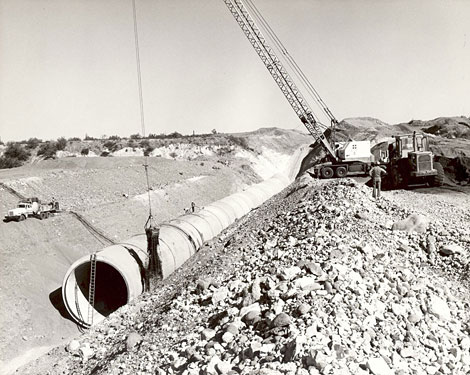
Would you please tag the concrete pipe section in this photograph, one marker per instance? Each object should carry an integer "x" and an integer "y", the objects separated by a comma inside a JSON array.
[{"x": 120, "y": 269}]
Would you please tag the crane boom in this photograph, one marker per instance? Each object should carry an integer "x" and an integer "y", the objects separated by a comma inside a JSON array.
[{"x": 278, "y": 72}]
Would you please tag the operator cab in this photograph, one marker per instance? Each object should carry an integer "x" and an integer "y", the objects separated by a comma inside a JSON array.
[
  {"x": 415, "y": 148},
  {"x": 408, "y": 143}
]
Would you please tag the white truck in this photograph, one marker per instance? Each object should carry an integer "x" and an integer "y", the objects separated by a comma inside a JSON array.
[{"x": 32, "y": 207}]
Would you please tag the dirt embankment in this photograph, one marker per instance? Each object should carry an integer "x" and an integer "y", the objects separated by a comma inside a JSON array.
[
  {"x": 314, "y": 281},
  {"x": 110, "y": 193},
  {"x": 449, "y": 140}
]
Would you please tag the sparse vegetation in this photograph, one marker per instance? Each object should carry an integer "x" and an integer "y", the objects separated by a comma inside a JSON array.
[
  {"x": 32, "y": 143},
  {"x": 61, "y": 144},
  {"x": 48, "y": 150},
  {"x": 74, "y": 139},
  {"x": 224, "y": 150},
  {"x": 14, "y": 156},
  {"x": 174, "y": 135},
  {"x": 148, "y": 150},
  {"x": 85, "y": 151},
  {"x": 241, "y": 142},
  {"x": 135, "y": 136},
  {"x": 111, "y": 146},
  {"x": 156, "y": 136}
]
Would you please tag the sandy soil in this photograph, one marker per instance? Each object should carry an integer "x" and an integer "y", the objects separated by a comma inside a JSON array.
[
  {"x": 111, "y": 194},
  {"x": 223, "y": 257}
]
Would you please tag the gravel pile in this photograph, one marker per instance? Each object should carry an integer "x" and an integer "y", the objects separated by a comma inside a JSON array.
[{"x": 314, "y": 282}]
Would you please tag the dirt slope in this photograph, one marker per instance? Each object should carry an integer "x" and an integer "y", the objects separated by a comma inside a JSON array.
[
  {"x": 34, "y": 257},
  {"x": 448, "y": 138},
  {"x": 110, "y": 193},
  {"x": 313, "y": 282}
]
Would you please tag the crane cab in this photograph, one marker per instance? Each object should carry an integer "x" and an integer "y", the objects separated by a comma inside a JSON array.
[{"x": 353, "y": 151}]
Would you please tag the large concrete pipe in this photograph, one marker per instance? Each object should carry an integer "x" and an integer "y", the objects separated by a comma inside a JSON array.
[{"x": 120, "y": 269}]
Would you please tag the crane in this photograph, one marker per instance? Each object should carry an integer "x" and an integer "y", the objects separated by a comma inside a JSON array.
[
  {"x": 350, "y": 158},
  {"x": 282, "y": 78}
]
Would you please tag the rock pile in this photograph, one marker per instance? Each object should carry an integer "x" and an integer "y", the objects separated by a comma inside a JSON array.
[{"x": 321, "y": 286}]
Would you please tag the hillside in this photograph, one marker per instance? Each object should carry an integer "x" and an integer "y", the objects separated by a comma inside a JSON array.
[
  {"x": 308, "y": 222},
  {"x": 449, "y": 139},
  {"x": 315, "y": 281},
  {"x": 110, "y": 193}
]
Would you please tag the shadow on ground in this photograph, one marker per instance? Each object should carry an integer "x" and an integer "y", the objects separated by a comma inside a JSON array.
[{"x": 56, "y": 300}]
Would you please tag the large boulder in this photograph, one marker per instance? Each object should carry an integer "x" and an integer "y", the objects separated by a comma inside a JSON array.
[{"x": 413, "y": 223}]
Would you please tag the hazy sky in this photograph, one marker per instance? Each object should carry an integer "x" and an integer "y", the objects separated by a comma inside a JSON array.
[{"x": 67, "y": 67}]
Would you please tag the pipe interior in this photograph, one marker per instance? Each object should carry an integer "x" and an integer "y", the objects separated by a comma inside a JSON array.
[{"x": 110, "y": 287}]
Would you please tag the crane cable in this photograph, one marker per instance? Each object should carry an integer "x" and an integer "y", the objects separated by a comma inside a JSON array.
[
  {"x": 139, "y": 75},
  {"x": 291, "y": 61},
  {"x": 149, "y": 221}
]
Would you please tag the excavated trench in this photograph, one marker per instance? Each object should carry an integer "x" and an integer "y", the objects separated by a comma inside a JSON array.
[{"x": 120, "y": 268}]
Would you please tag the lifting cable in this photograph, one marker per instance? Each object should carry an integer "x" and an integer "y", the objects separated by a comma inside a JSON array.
[
  {"x": 151, "y": 230},
  {"x": 149, "y": 222},
  {"x": 139, "y": 75}
]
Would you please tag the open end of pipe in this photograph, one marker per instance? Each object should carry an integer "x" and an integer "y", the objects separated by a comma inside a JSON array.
[{"x": 110, "y": 287}]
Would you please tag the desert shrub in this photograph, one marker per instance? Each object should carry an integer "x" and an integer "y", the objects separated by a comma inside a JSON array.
[
  {"x": 14, "y": 156},
  {"x": 16, "y": 151},
  {"x": 61, "y": 143},
  {"x": 74, "y": 139},
  {"x": 148, "y": 150},
  {"x": 173, "y": 155},
  {"x": 135, "y": 136},
  {"x": 111, "y": 146},
  {"x": 224, "y": 150},
  {"x": 32, "y": 143},
  {"x": 104, "y": 153},
  {"x": 9, "y": 163},
  {"x": 114, "y": 138},
  {"x": 85, "y": 151},
  {"x": 48, "y": 150},
  {"x": 144, "y": 143},
  {"x": 174, "y": 135},
  {"x": 89, "y": 138},
  {"x": 157, "y": 136},
  {"x": 239, "y": 141}
]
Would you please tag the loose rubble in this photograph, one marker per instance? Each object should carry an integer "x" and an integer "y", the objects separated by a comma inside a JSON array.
[{"x": 321, "y": 285}]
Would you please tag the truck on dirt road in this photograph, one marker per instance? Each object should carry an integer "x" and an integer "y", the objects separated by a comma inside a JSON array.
[{"x": 32, "y": 207}]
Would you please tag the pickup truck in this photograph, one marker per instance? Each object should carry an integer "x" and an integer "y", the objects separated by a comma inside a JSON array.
[{"x": 32, "y": 207}]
